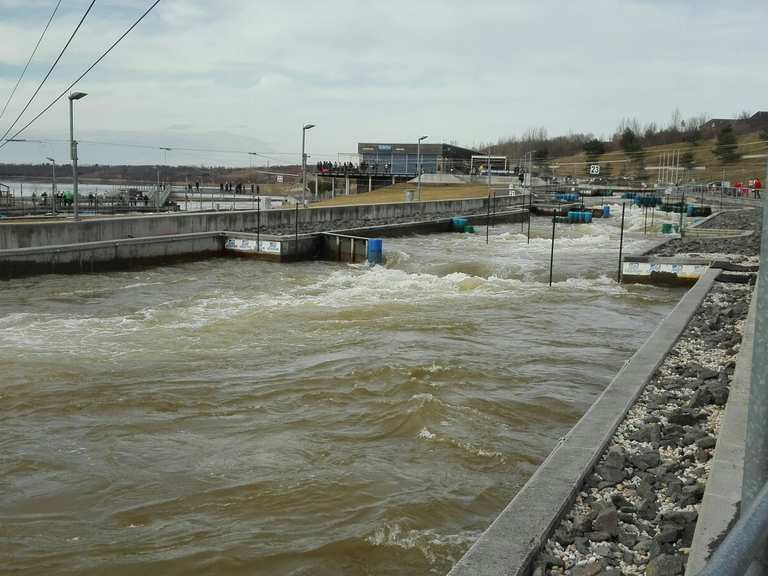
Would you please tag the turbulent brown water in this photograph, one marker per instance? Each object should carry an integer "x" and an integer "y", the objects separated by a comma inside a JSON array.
[{"x": 241, "y": 417}]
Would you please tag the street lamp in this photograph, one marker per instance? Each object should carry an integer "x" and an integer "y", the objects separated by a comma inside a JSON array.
[
  {"x": 418, "y": 163},
  {"x": 73, "y": 147},
  {"x": 489, "y": 169},
  {"x": 165, "y": 151},
  {"x": 53, "y": 185},
  {"x": 304, "y": 161}
]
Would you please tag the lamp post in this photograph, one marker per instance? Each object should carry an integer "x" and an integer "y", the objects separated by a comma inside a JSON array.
[
  {"x": 165, "y": 151},
  {"x": 489, "y": 168},
  {"x": 304, "y": 161},
  {"x": 418, "y": 163},
  {"x": 53, "y": 185},
  {"x": 73, "y": 148}
]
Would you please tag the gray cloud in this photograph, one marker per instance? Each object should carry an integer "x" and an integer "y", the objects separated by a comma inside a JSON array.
[{"x": 471, "y": 72}]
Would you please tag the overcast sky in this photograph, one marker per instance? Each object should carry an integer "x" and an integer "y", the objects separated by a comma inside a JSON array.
[{"x": 244, "y": 75}]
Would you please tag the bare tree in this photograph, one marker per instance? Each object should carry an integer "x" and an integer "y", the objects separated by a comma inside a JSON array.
[{"x": 676, "y": 120}]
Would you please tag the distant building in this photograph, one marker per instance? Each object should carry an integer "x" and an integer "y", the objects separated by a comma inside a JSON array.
[
  {"x": 758, "y": 121},
  {"x": 402, "y": 158}
]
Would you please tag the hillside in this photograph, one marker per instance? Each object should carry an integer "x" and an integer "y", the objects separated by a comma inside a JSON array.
[{"x": 617, "y": 164}]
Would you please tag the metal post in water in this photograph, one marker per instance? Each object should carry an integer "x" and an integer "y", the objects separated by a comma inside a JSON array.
[
  {"x": 621, "y": 239},
  {"x": 552, "y": 250},
  {"x": 296, "y": 230},
  {"x": 522, "y": 211},
  {"x": 488, "y": 218},
  {"x": 682, "y": 207},
  {"x": 258, "y": 225},
  {"x": 530, "y": 206},
  {"x": 645, "y": 221}
]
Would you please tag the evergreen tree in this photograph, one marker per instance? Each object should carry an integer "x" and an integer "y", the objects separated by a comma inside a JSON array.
[
  {"x": 687, "y": 159},
  {"x": 633, "y": 148},
  {"x": 726, "y": 146},
  {"x": 594, "y": 149},
  {"x": 693, "y": 136},
  {"x": 630, "y": 143}
]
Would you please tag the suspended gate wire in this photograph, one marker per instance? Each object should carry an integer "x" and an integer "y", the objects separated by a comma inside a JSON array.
[
  {"x": 91, "y": 67},
  {"x": 29, "y": 102},
  {"x": 30, "y": 59}
]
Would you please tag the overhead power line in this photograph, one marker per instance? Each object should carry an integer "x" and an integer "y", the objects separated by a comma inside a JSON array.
[
  {"x": 34, "y": 51},
  {"x": 87, "y": 70},
  {"x": 31, "y": 98}
]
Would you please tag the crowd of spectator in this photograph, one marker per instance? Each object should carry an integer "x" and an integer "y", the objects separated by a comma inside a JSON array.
[{"x": 352, "y": 169}]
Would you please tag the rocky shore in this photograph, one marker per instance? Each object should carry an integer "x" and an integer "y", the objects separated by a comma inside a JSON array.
[{"x": 637, "y": 512}]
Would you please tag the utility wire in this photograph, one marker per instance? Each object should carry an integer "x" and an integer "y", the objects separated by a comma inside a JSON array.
[
  {"x": 7, "y": 102},
  {"x": 71, "y": 37},
  {"x": 87, "y": 70}
]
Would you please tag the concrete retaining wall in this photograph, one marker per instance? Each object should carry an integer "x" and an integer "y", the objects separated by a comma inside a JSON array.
[
  {"x": 109, "y": 255},
  {"x": 24, "y": 235},
  {"x": 722, "y": 496},
  {"x": 510, "y": 544}
]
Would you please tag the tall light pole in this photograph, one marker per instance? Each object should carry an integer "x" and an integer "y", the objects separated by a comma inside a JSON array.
[
  {"x": 165, "y": 151},
  {"x": 304, "y": 161},
  {"x": 53, "y": 185},
  {"x": 73, "y": 147},
  {"x": 489, "y": 169},
  {"x": 418, "y": 163}
]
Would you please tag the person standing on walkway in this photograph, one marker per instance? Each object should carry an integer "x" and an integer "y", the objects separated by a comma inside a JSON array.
[{"x": 758, "y": 185}]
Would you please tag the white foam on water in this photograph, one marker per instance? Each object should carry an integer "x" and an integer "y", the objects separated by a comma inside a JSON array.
[
  {"x": 348, "y": 287},
  {"x": 635, "y": 220},
  {"x": 425, "y": 434},
  {"x": 379, "y": 284},
  {"x": 425, "y": 541},
  {"x": 429, "y": 542}
]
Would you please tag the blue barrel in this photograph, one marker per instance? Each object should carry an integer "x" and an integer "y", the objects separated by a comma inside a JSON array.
[
  {"x": 690, "y": 210},
  {"x": 606, "y": 211},
  {"x": 579, "y": 217},
  {"x": 459, "y": 224},
  {"x": 375, "y": 250}
]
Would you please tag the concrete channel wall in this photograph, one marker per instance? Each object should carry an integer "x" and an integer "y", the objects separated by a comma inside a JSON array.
[
  {"x": 721, "y": 504},
  {"x": 109, "y": 254},
  {"x": 33, "y": 234},
  {"x": 123, "y": 253},
  {"x": 510, "y": 544}
]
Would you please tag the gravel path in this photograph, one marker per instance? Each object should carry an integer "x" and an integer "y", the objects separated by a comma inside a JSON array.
[
  {"x": 749, "y": 219},
  {"x": 637, "y": 513}
]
